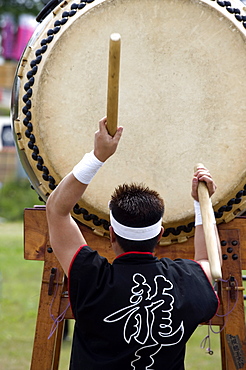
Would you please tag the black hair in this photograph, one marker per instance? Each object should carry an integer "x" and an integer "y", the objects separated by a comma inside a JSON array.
[{"x": 135, "y": 205}]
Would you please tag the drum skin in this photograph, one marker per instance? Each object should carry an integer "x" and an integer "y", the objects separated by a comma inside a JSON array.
[{"x": 182, "y": 92}]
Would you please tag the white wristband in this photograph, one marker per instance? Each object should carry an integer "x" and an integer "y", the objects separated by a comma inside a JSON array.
[
  {"x": 86, "y": 169},
  {"x": 198, "y": 215}
]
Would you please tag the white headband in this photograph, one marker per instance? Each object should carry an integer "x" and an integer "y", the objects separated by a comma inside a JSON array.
[{"x": 135, "y": 233}]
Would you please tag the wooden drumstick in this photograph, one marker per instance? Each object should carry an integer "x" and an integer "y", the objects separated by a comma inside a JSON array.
[
  {"x": 113, "y": 83},
  {"x": 208, "y": 227}
]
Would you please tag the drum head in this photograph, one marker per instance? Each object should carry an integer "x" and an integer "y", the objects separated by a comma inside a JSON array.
[{"x": 182, "y": 91}]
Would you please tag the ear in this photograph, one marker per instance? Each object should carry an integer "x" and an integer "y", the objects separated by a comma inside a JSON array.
[{"x": 112, "y": 235}]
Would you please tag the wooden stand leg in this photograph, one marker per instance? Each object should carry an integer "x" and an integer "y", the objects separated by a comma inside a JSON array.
[
  {"x": 49, "y": 310},
  {"x": 46, "y": 352},
  {"x": 233, "y": 341},
  {"x": 59, "y": 337}
]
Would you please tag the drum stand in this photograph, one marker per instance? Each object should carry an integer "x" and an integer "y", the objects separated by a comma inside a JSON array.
[{"x": 54, "y": 298}]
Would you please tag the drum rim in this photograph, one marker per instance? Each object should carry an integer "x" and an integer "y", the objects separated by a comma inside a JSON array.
[{"x": 175, "y": 231}]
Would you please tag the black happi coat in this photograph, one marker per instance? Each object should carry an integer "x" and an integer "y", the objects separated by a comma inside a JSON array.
[{"x": 137, "y": 313}]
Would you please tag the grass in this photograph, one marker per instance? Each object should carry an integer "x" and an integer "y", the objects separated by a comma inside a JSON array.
[
  {"x": 16, "y": 188},
  {"x": 196, "y": 357},
  {"x": 19, "y": 297}
]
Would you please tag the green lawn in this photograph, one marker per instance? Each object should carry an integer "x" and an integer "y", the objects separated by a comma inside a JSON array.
[{"x": 19, "y": 297}]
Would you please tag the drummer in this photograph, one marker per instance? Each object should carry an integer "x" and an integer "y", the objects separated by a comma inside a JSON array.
[{"x": 138, "y": 312}]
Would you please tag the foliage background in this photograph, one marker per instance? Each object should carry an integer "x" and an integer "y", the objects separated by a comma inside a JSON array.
[
  {"x": 16, "y": 7},
  {"x": 15, "y": 196}
]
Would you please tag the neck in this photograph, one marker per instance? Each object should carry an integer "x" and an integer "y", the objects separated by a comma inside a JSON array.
[{"x": 117, "y": 249}]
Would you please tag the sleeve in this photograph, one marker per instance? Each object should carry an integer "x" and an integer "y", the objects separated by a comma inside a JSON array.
[
  {"x": 87, "y": 275},
  {"x": 203, "y": 300}
]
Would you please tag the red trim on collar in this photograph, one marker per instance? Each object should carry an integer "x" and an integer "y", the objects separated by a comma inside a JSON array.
[{"x": 133, "y": 252}]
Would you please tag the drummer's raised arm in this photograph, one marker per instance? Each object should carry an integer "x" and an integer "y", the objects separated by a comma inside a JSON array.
[
  {"x": 65, "y": 236},
  {"x": 201, "y": 255}
]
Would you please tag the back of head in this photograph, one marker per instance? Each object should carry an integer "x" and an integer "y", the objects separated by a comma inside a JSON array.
[{"x": 136, "y": 206}]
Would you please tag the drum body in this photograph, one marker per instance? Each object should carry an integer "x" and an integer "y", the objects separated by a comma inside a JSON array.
[{"x": 182, "y": 92}]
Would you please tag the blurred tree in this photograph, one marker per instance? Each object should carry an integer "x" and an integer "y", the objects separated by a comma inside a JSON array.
[{"x": 17, "y": 7}]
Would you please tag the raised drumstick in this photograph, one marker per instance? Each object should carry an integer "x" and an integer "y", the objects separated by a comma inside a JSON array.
[
  {"x": 208, "y": 227},
  {"x": 113, "y": 83}
]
